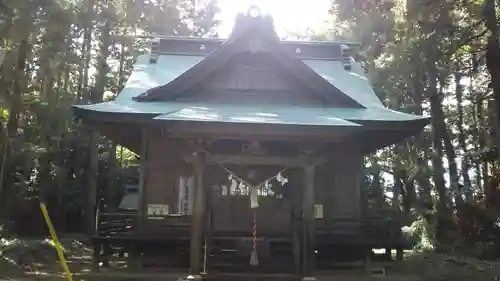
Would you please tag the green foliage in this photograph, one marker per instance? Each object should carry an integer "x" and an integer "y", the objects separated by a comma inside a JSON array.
[
  {"x": 52, "y": 50},
  {"x": 423, "y": 232},
  {"x": 125, "y": 157},
  {"x": 49, "y": 150},
  {"x": 402, "y": 42}
]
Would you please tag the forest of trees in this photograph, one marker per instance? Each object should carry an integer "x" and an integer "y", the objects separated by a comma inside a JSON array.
[
  {"x": 441, "y": 59},
  {"x": 429, "y": 57}
]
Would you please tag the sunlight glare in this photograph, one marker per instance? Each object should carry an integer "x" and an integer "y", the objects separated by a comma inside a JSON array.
[{"x": 290, "y": 16}]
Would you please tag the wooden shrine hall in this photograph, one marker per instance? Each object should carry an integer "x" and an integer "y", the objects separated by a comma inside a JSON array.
[{"x": 251, "y": 151}]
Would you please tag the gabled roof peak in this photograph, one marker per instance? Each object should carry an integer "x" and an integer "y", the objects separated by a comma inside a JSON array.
[
  {"x": 253, "y": 35},
  {"x": 253, "y": 17}
]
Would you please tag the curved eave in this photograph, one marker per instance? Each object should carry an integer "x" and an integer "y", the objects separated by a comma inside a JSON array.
[
  {"x": 356, "y": 115},
  {"x": 379, "y": 134},
  {"x": 112, "y": 112},
  {"x": 374, "y": 128},
  {"x": 258, "y": 121}
]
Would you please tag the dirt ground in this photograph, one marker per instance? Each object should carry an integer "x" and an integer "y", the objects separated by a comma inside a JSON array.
[
  {"x": 441, "y": 267},
  {"x": 36, "y": 259}
]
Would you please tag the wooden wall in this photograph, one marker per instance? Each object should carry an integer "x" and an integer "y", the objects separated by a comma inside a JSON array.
[
  {"x": 338, "y": 186},
  {"x": 252, "y": 78},
  {"x": 161, "y": 178},
  {"x": 233, "y": 213}
]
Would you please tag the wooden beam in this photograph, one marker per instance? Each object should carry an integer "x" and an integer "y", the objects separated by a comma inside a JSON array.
[
  {"x": 208, "y": 231},
  {"x": 294, "y": 176},
  {"x": 309, "y": 223},
  {"x": 258, "y": 160},
  {"x": 261, "y": 137},
  {"x": 198, "y": 223},
  {"x": 253, "y": 131}
]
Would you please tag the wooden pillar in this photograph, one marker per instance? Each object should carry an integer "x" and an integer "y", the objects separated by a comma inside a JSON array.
[
  {"x": 111, "y": 187},
  {"x": 399, "y": 254},
  {"x": 309, "y": 224},
  {"x": 208, "y": 226},
  {"x": 198, "y": 217},
  {"x": 141, "y": 206},
  {"x": 294, "y": 186},
  {"x": 92, "y": 184},
  {"x": 368, "y": 261},
  {"x": 134, "y": 252}
]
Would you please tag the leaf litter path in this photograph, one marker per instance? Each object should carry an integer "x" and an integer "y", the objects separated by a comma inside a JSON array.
[{"x": 36, "y": 259}]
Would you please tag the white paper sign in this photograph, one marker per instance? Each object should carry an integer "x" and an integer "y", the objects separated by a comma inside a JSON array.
[
  {"x": 318, "y": 211},
  {"x": 158, "y": 210},
  {"x": 254, "y": 198}
]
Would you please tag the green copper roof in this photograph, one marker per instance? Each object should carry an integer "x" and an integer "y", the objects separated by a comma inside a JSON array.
[
  {"x": 353, "y": 83},
  {"x": 267, "y": 114},
  {"x": 166, "y": 108},
  {"x": 146, "y": 76}
]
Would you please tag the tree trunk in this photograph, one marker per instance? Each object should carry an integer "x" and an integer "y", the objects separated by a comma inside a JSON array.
[
  {"x": 111, "y": 195},
  {"x": 15, "y": 108},
  {"x": 482, "y": 140},
  {"x": 2, "y": 52},
  {"x": 493, "y": 60},
  {"x": 467, "y": 188},
  {"x": 417, "y": 87},
  {"x": 410, "y": 198},
  {"x": 96, "y": 96},
  {"x": 397, "y": 189},
  {"x": 450, "y": 155},
  {"x": 19, "y": 85},
  {"x": 437, "y": 148},
  {"x": 377, "y": 188},
  {"x": 112, "y": 163},
  {"x": 86, "y": 53}
]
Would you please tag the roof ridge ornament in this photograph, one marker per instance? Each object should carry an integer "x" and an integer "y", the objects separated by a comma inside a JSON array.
[
  {"x": 153, "y": 56},
  {"x": 346, "y": 57},
  {"x": 253, "y": 18},
  {"x": 254, "y": 11}
]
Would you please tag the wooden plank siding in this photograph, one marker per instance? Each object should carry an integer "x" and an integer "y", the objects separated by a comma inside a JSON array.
[
  {"x": 338, "y": 189},
  {"x": 163, "y": 169},
  {"x": 254, "y": 78}
]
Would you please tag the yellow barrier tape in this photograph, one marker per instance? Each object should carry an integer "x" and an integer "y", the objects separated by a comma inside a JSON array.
[{"x": 58, "y": 246}]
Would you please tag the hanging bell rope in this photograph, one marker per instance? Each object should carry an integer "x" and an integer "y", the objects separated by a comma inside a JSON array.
[{"x": 254, "y": 258}]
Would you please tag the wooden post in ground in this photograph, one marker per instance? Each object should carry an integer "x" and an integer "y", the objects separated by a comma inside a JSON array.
[
  {"x": 399, "y": 254},
  {"x": 92, "y": 184},
  {"x": 134, "y": 255},
  {"x": 198, "y": 218},
  {"x": 295, "y": 187},
  {"x": 368, "y": 261},
  {"x": 208, "y": 228},
  {"x": 309, "y": 224},
  {"x": 142, "y": 177}
]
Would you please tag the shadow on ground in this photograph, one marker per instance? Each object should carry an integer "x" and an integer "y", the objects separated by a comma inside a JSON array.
[
  {"x": 431, "y": 266},
  {"x": 32, "y": 259},
  {"x": 36, "y": 259}
]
